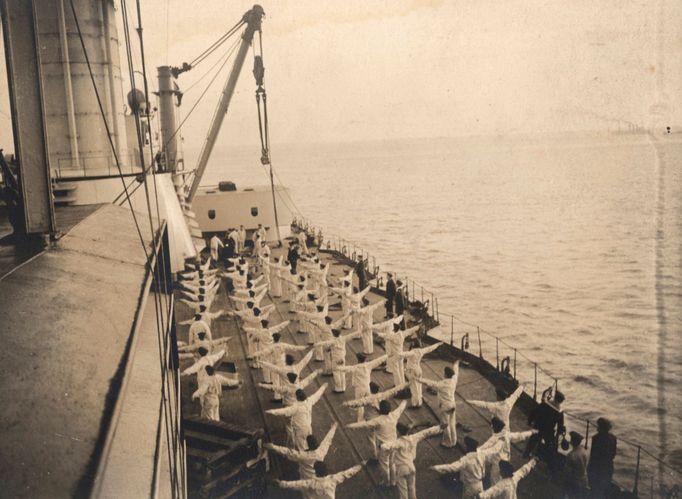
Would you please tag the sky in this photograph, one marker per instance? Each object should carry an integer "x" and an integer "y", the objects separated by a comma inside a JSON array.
[{"x": 354, "y": 70}]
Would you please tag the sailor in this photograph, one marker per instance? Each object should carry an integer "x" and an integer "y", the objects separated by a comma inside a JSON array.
[
  {"x": 386, "y": 326},
  {"x": 307, "y": 320},
  {"x": 404, "y": 451},
  {"x": 602, "y": 454},
  {"x": 307, "y": 458},
  {"x": 471, "y": 467},
  {"x": 299, "y": 416},
  {"x": 204, "y": 315},
  {"x": 575, "y": 469},
  {"x": 275, "y": 277},
  {"x": 242, "y": 239},
  {"x": 446, "y": 402},
  {"x": 292, "y": 255},
  {"x": 366, "y": 320},
  {"x": 199, "y": 327},
  {"x": 548, "y": 419},
  {"x": 215, "y": 244},
  {"x": 277, "y": 350},
  {"x": 209, "y": 392},
  {"x": 196, "y": 303},
  {"x": 279, "y": 373},
  {"x": 188, "y": 351},
  {"x": 500, "y": 409},
  {"x": 338, "y": 357},
  {"x": 204, "y": 360},
  {"x": 325, "y": 334},
  {"x": 241, "y": 300},
  {"x": 302, "y": 242},
  {"x": 374, "y": 397},
  {"x": 206, "y": 295},
  {"x": 385, "y": 431},
  {"x": 413, "y": 371},
  {"x": 393, "y": 343},
  {"x": 323, "y": 485},
  {"x": 262, "y": 339},
  {"x": 399, "y": 301},
  {"x": 390, "y": 294},
  {"x": 360, "y": 378},
  {"x": 355, "y": 304},
  {"x": 233, "y": 235},
  {"x": 196, "y": 287},
  {"x": 506, "y": 488},
  {"x": 261, "y": 232},
  {"x": 502, "y": 435},
  {"x": 291, "y": 386}
]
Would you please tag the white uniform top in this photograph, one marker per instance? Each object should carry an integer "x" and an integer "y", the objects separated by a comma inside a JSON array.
[
  {"x": 321, "y": 487},
  {"x": 384, "y": 425},
  {"x": 446, "y": 389},
  {"x": 405, "y": 450},
  {"x": 506, "y": 489},
  {"x": 500, "y": 409},
  {"x": 471, "y": 467}
]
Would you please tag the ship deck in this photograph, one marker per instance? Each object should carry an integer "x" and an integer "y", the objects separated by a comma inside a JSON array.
[{"x": 246, "y": 407}]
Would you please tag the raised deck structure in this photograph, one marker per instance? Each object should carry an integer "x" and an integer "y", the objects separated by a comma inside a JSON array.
[{"x": 246, "y": 407}]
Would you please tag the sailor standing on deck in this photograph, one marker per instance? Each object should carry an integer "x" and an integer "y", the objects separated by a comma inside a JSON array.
[
  {"x": 323, "y": 486},
  {"x": 300, "y": 417},
  {"x": 361, "y": 374},
  {"x": 215, "y": 244},
  {"x": 366, "y": 320},
  {"x": 338, "y": 353},
  {"x": 413, "y": 371},
  {"x": 500, "y": 409},
  {"x": 242, "y": 239},
  {"x": 446, "y": 402},
  {"x": 390, "y": 294},
  {"x": 374, "y": 399},
  {"x": 502, "y": 435},
  {"x": 307, "y": 458},
  {"x": 506, "y": 488},
  {"x": 384, "y": 427},
  {"x": 394, "y": 347},
  {"x": 209, "y": 392},
  {"x": 404, "y": 453},
  {"x": 279, "y": 376},
  {"x": 289, "y": 388},
  {"x": 471, "y": 467},
  {"x": 204, "y": 360}
]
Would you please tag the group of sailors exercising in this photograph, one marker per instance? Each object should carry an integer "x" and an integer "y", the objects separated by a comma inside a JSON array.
[{"x": 308, "y": 287}]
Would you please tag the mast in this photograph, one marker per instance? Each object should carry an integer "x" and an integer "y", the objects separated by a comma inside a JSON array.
[{"x": 253, "y": 18}]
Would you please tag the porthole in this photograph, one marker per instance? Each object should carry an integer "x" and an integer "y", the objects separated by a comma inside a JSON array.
[
  {"x": 254, "y": 211},
  {"x": 211, "y": 214}
]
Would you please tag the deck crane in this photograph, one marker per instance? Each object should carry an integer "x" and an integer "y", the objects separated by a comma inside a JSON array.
[{"x": 167, "y": 91}]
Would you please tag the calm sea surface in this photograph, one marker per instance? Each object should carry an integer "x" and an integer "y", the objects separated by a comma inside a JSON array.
[{"x": 568, "y": 249}]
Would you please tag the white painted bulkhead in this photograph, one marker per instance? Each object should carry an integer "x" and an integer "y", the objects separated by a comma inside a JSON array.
[{"x": 219, "y": 211}]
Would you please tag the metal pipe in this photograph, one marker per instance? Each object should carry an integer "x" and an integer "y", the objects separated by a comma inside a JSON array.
[
  {"x": 515, "y": 363},
  {"x": 480, "y": 349},
  {"x": 68, "y": 87},
  {"x": 535, "y": 381},
  {"x": 110, "y": 82},
  {"x": 636, "y": 486},
  {"x": 497, "y": 352},
  {"x": 452, "y": 330},
  {"x": 169, "y": 140}
]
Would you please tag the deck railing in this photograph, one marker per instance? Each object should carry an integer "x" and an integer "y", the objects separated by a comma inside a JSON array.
[{"x": 638, "y": 470}]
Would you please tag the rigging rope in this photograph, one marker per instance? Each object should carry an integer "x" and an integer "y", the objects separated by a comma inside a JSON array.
[
  {"x": 263, "y": 128},
  {"x": 199, "y": 99},
  {"x": 214, "y": 46}
]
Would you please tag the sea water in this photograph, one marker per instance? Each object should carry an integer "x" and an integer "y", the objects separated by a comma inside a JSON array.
[{"x": 567, "y": 248}]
